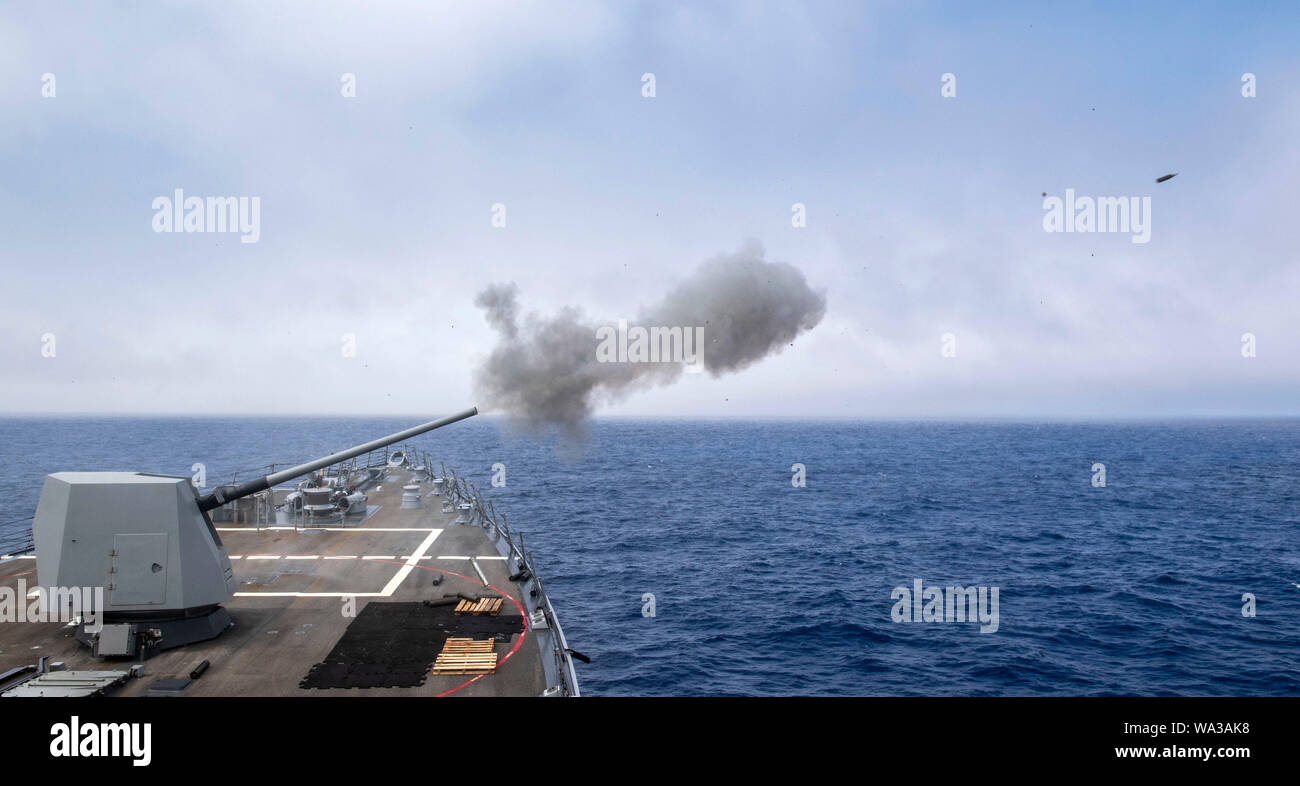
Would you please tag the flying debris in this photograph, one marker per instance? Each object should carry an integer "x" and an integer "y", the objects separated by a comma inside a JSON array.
[{"x": 1163, "y": 178}]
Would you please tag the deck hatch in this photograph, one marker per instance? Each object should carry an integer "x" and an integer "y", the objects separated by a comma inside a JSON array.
[{"x": 139, "y": 568}]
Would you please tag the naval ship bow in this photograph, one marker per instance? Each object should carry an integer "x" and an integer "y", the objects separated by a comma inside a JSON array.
[{"x": 364, "y": 572}]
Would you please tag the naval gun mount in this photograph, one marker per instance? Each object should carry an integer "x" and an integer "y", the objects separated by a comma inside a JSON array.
[{"x": 148, "y": 542}]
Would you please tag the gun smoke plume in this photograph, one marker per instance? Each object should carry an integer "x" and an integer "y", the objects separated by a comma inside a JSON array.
[{"x": 545, "y": 370}]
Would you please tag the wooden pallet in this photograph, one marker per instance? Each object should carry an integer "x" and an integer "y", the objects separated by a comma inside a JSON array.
[
  {"x": 469, "y": 645},
  {"x": 488, "y": 606},
  {"x": 466, "y": 656}
]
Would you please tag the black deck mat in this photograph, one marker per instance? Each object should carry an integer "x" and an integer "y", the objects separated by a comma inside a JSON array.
[{"x": 394, "y": 645}]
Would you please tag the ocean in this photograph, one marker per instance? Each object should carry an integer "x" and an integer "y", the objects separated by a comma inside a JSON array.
[{"x": 764, "y": 588}]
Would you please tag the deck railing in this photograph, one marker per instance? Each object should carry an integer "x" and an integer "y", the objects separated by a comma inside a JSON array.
[
  {"x": 484, "y": 514},
  {"x": 19, "y": 542}
]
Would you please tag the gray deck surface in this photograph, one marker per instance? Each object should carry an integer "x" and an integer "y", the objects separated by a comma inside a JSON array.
[{"x": 279, "y": 634}]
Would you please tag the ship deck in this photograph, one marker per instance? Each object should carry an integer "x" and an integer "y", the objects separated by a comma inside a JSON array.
[{"x": 330, "y": 609}]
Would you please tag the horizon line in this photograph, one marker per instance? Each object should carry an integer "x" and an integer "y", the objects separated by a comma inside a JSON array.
[{"x": 1039, "y": 418}]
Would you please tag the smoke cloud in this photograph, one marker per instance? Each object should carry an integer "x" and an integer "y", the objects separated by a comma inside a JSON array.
[{"x": 547, "y": 371}]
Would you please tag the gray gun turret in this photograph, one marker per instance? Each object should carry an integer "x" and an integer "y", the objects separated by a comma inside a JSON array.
[{"x": 144, "y": 549}]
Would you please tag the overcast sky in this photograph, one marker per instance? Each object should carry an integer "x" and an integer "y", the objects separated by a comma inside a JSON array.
[{"x": 924, "y": 213}]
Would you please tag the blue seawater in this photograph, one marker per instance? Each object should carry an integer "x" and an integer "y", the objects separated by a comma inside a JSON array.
[{"x": 762, "y": 588}]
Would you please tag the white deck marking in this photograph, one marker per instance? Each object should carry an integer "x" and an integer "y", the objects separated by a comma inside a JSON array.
[
  {"x": 328, "y": 529},
  {"x": 347, "y": 556},
  {"x": 406, "y": 569},
  {"x": 341, "y": 556},
  {"x": 447, "y": 557},
  {"x": 387, "y": 591},
  {"x": 309, "y": 594}
]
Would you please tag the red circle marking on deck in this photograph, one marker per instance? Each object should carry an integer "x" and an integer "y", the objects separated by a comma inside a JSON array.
[{"x": 523, "y": 616}]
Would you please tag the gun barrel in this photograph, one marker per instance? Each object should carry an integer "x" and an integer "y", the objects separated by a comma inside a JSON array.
[{"x": 223, "y": 494}]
